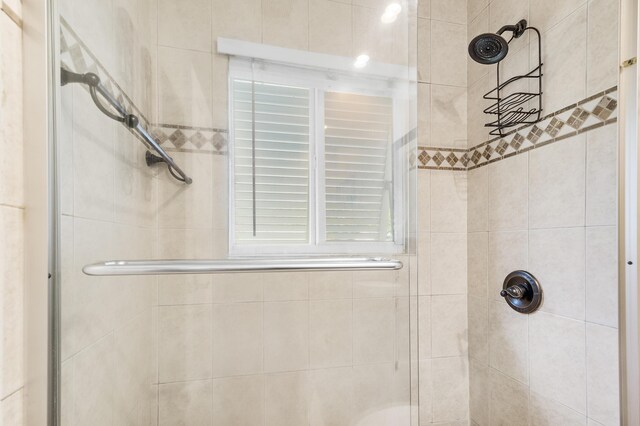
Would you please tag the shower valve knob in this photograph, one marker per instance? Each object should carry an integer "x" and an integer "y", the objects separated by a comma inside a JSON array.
[{"x": 522, "y": 292}]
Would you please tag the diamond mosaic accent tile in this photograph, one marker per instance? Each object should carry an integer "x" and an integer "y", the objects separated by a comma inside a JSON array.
[
  {"x": 578, "y": 117},
  {"x": 554, "y": 127},
  {"x": 590, "y": 113}
]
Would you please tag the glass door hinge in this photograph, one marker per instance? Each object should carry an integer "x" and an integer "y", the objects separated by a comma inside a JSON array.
[{"x": 629, "y": 62}]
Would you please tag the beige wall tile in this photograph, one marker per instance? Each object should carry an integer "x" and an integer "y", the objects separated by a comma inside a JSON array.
[
  {"x": 186, "y": 403},
  {"x": 185, "y": 88},
  {"x": 182, "y": 206},
  {"x": 330, "y": 29},
  {"x": 602, "y": 43},
  {"x": 185, "y": 26},
  {"x": 546, "y": 412},
  {"x": 94, "y": 386},
  {"x": 508, "y": 252},
  {"x": 424, "y": 114},
  {"x": 426, "y": 391},
  {"x": 424, "y": 50},
  {"x": 184, "y": 244},
  {"x": 12, "y": 409},
  {"x": 507, "y": 12},
  {"x": 11, "y": 161},
  {"x": 449, "y": 326},
  {"x": 477, "y": 133},
  {"x": 602, "y": 275},
  {"x": 185, "y": 346},
  {"x": 509, "y": 401},
  {"x": 93, "y": 137},
  {"x": 557, "y": 260},
  {"x": 478, "y": 200},
  {"x": 448, "y": 263},
  {"x": 449, "y": 11},
  {"x": 479, "y": 24},
  {"x": 424, "y": 201},
  {"x": 238, "y": 401},
  {"x": 546, "y": 13},
  {"x": 478, "y": 319},
  {"x": 602, "y": 176},
  {"x": 602, "y": 374},
  {"x": 237, "y": 339},
  {"x": 373, "y": 393},
  {"x": 285, "y": 23},
  {"x": 285, "y": 286},
  {"x": 331, "y": 333},
  {"x": 448, "y": 201},
  {"x": 424, "y": 8},
  {"x": 557, "y": 184},
  {"x": 239, "y": 19},
  {"x": 450, "y": 389},
  {"x": 229, "y": 288},
  {"x": 448, "y": 116},
  {"x": 448, "y": 45},
  {"x": 477, "y": 263},
  {"x": 331, "y": 396},
  {"x": 558, "y": 359},
  {"x": 424, "y": 264},
  {"x": 373, "y": 330},
  {"x": 11, "y": 302},
  {"x": 508, "y": 192},
  {"x": 564, "y": 65},
  {"x": 386, "y": 43},
  {"x": 287, "y": 399},
  {"x": 508, "y": 353},
  {"x": 479, "y": 396},
  {"x": 424, "y": 327},
  {"x": 475, "y": 7},
  {"x": 331, "y": 285},
  {"x": 286, "y": 336}
]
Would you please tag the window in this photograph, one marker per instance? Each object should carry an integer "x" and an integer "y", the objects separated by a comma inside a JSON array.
[{"x": 312, "y": 162}]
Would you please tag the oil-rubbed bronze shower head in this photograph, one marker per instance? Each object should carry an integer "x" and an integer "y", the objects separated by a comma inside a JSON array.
[{"x": 491, "y": 48}]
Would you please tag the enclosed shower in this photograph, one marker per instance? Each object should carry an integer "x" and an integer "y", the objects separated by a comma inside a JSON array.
[{"x": 335, "y": 212}]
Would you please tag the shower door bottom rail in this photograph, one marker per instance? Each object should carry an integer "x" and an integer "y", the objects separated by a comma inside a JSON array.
[{"x": 176, "y": 267}]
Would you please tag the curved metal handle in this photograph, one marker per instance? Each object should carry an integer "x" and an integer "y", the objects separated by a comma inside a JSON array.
[{"x": 516, "y": 291}]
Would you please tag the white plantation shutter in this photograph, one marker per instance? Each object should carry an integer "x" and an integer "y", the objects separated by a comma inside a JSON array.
[
  {"x": 312, "y": 162},
  {"x": 358, "y": 167},
  {"x": 271, "y": 163}
]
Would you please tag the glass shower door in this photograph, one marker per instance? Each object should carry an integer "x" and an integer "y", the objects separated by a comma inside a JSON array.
[{"x": 253, "y": 134}]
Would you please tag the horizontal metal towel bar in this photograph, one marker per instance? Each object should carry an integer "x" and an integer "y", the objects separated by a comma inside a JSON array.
[
  {"x": 129, "y": 120},
  {"x": 170, "y": 267}
]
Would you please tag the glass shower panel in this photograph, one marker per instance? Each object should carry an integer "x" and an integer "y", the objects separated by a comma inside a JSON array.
[{"x": 294, "y": 123}]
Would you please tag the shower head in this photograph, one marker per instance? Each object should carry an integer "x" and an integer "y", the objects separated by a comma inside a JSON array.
[
  {"x": 491, "y": 48},
  {"x": 488, "y": 48}
]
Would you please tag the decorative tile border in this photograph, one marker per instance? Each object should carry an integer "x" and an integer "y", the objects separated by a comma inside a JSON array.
[
  {"x": 595, "y": 111},
  {"x": 77, "y": 57}
]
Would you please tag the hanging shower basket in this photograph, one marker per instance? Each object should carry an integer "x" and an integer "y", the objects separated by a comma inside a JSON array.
[{"x": 518, "y": 107}]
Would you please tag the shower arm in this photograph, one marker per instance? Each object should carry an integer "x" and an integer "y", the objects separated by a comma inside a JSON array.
[{"x": 130, "y": 120}]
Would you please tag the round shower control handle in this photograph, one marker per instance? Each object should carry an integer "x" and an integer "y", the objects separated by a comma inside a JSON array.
[{"x": 522, "y": 292}]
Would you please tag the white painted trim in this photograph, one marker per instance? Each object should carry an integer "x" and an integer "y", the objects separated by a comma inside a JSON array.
[
  {"x": 629, "y": 296},
  {"x": 318, "y": 82},
  {"x": 314, "y": 60}
]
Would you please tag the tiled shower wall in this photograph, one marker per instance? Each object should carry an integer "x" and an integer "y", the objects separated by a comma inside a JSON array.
[
  {"x": 11, "y": 216},
  {"x": 238, "y": 349},
  {"x": 107, "y": 210},
  {"x": 442, "y": 215},
  {"x": 273, "y": 349},
  {"x": 552, "y": 211}
]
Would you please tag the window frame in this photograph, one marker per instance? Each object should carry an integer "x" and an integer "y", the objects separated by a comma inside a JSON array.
[{"x": 318, "y": 82}]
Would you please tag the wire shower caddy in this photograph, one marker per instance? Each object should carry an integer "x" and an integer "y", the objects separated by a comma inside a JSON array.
[{"x": 520, "y": 107}]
